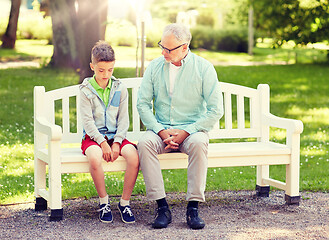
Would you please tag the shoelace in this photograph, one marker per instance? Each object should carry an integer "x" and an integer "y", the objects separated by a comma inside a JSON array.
[
  {"x": 127, "y": 210},
  {"x": 105, "y": 209}
]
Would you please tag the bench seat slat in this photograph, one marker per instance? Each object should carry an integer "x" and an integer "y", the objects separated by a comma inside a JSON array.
[
  {"x": 247, "y": 149},
  {"x": 219, "y": 155},
  {"x": 215, "y": 150}
]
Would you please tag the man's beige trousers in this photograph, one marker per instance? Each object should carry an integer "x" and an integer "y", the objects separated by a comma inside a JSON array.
[{"x": 195, "y": 146}]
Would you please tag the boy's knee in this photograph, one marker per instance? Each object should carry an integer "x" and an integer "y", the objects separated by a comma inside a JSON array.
[
  {"x": 131, "y": 156},
  {"x": 95, "y": 161},
  {"x": 94, "y": 156}
]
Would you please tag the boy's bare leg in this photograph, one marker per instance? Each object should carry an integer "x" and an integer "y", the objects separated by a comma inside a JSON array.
[
  {"x": 95, "y": 157},
  {"x": 129, "y": 152}
]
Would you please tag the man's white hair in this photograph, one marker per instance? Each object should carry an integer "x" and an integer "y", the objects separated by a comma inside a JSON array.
[{"x": 180, "y": 31}]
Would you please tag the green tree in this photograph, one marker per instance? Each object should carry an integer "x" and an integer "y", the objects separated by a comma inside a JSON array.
[
  {"x": 304, "y": 21},
  {"x": 237, "y": 13}
]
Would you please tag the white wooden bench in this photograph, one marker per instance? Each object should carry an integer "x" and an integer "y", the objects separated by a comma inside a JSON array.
[{"x": 239, "y": 122}]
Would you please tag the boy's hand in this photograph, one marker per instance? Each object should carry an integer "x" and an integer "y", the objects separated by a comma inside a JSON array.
[
  {"x": 107, "y": 153},
  {"x": 115, "y": 151}
]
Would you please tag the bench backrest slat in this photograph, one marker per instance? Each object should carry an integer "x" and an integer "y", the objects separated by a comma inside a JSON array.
[
  {"x": 241, "y": 106},
  {"x": 228, "y": 110},
  {"x": 136, "y": 120}
]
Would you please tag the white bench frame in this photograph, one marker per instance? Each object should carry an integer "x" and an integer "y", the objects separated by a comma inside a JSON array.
[{"x": 49, "y": 139}]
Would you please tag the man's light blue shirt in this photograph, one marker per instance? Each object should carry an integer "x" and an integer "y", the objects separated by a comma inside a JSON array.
[{"x": 196, "y": 103}]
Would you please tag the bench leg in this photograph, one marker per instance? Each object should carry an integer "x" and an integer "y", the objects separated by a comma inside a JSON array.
[
  {"x": 39, "y": 183},
  {"x": 292, "y": 196},
  {"x": 40, "y": 204},
  {"x": 292, "y": 200},
  {"x": 55, "y": 184},
  {"x": 262, "y": 191},
  {"x": 56, "y": 215}
]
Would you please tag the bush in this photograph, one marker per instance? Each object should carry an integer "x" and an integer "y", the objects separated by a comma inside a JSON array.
[
  {"x": 30, "y": 26},
  {"x": 206, "y": 17},
  {"x": 34, "y": 26},
  {"x": 154, "y": 32},
  {"x": 121, "y": 33},
  {"x": 203, "y": 37},
  {"x": 152, "y": 38},
  {"x": 233, "y": 40}
]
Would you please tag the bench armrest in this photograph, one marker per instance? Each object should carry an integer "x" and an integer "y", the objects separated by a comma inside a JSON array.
[
  {"x": 294, "y": 126},
  {"x": 53, "y": 131}
]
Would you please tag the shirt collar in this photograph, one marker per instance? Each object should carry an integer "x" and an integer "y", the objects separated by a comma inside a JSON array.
[
  {"x": 96, "y": 86},
  {"x": 185, "y": 59}
]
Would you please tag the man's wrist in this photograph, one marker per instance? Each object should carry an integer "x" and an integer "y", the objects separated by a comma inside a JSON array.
[{"x": 163, "y": 134}]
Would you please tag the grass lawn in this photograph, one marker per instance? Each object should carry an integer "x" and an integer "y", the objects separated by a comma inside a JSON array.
[
  {"x": 27, "y": 50},
  {"x": 297, "y": 91}
]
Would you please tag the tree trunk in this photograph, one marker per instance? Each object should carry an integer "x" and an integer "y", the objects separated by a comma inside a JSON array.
[
  {"x": 9, "y": 38},
  {"x": 250, "y": 30},
  {"x": 65, "y": 35},
  {"x": 75, "y": 31},
  {"x": 92, "y": 25}
]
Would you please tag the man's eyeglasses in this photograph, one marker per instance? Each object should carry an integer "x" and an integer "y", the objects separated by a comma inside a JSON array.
[{"x": 169, "y": 50}]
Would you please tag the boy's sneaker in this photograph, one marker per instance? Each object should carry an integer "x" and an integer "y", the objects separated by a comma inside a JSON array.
[
  {"x": 105, "y": 214},
  {"x": 127, "y": 215}
]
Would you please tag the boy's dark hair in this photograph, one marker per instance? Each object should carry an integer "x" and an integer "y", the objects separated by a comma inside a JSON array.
[{"x": 102, "y": 52}]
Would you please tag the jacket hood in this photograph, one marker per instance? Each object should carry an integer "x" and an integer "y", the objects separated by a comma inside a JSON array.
[{"x": 85, "y": 82}]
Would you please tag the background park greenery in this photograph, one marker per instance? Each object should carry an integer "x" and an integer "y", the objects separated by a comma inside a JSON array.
[
  {"x": 291, "y": 54},
  {"x": 298, "y": 91}
]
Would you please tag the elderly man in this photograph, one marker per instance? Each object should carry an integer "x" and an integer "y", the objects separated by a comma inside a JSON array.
[{"x": 187, "y": 102}]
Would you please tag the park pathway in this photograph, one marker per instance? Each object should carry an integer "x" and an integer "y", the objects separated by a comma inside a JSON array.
[{"x": 228, "y": 215}]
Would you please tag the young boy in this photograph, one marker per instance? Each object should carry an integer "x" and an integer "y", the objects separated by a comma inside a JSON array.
[{"x": 104, "y": 112}]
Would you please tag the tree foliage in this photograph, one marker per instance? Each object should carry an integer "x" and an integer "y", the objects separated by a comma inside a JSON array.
[
  {"x": 303, "y": 21},
  {"x": 168, "y": 9},
  {"x": 237, "y": 13}
]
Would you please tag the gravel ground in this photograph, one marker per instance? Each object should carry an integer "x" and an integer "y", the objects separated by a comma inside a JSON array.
[{"x": 228, "y": 215}]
